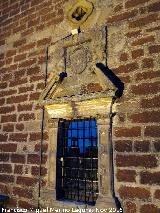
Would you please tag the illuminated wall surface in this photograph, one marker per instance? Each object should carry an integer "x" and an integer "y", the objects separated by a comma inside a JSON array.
[{"x": 133, "y": 55}]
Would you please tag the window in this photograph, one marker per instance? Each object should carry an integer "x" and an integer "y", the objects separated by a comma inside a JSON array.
[{"x": 77, "y": 161}]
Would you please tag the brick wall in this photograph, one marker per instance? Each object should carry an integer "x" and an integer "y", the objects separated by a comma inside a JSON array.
[{"x": 26, "y": 28}]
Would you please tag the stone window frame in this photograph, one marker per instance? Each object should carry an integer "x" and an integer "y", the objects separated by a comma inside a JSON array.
[{"x": 102, "y": 116}]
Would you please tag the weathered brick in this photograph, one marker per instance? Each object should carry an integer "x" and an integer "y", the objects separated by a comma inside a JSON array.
[
  {"x": 130, "y": 207},
  {"x": 141, "y": 146},
  {"x": 26, "y": 117},
  {"x": 152, "y": 131},
  {"x": 26, "y": 181},
  {"x": 37, "y": 136},
  {"x": 145, "y": 88},
  {"x": 33, "y": 159},
  {"x": 155, "y": 7},
  {"x": 20, "y": 126},
  {"x": 143, "y": 21},
  {"x": 147, "y": 75},
  {"x": 5, "y": 168},
  {"x": 8, "y": 118},
  {"x": 146, "y": 208},
  {"x": 18, "y": 169},
  {"x": 145, "y": 161},
  {"x": 137, "y": 53},
  {"x": 38, "y": 147},
  {"x": 134, "y": 3},
  {"x": 22, "y": 192},
  {"x": 8, "y": 127},
  {"x": 8, "y": 147},
  {"x": 4, "y": 157},
  {"x": 127, "y": 68},
  {"x": 24, "y": 107},
  {"x": 143, "y": 40},
  {"x": 126, "y": 175},
  {"x": 19, "y": 57},
  {"x": 36, "y": 171},
  {"x": 3, "y": 85},
  {"x": 6, "y": 178},
  {"x": 19, "y": 42},
  {"x": 18, "y": 137},
  {"x": 154, "y": 49},
  {"x": 27, "y": 47},
  {"x": 3, "y": 137},
  {"x": 134, "y": 192},
  {"x": 123, "y": 146},
  {"x": 18, "y": 158},
  {"x": 145, "y": 117},
  {"x": 17, "y": 99},
  {"x": 157, "y": 146},
  {"x": 10, "y": 53},
  {"x": 157, "y": 194},
  {"x": 150, "y": 178},
  {"x": 26, "y": 205},
  {"x": 128, "y": 132},
  {"x": 33, "y": 70},
  {"x": 25, "y": 89},
  {"x": 147, "y": 63},
  {"x": 7, "y": 109},
  {"x": 43, "y": 41},
  {"x": 17, "y": 82},
  {"x": 2, "y": 101},
  {"x": 27, "y": 63}
]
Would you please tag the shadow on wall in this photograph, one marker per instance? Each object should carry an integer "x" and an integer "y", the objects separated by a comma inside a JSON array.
[{"x": 113, "y": 78}]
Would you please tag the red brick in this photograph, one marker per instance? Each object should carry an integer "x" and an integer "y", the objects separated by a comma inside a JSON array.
[
  {"x": 34, "y": 96},
  {"x": 147, "y": 161},
  {"x": 35, "y": 171},
  {"x": 3, "y": 85},
  {"x": 5, "y": 168},
  {"x": 126, "y": 175},
  {"x": 8, "y": 118},
  {"x": 27, "y": 63},
  {"x": 26, "y": 205},
  {"x": 40, "y": 86},
  {"x": 147, "y": 75},
  {"x": 37, "y": 136},
  {"x": 38, "y": 147},
  {"x": 33, "y": 159},
  {"x": 157, "y": 194},
  {"x": 19, "y": 57},
  {"x": 152, "y": 131},
  {"x": 137, "y": 53},
  {"x": 154, "y": 49},
  {"x": 26, "y": 117},
  {"x": 145, "y": 88},
  {"x": 128, "y": 132},
  {"x": 18, "y": 158},
  {"x": 131, "y": 3},
  {"x": 122, "y": 16},
  {"x": 153, "y": 29},
  {"x": 143, "y": 21},
  {"x": 146, "y": 208},
  {"x": 36, "y": 78},
  {"x": 26, "y": 89},
  {"x": 27, "y": 32},
  {"x": 147, "y": 63},
  {"x": 145, "y": 117},
  {"x": 19, "y": 28},
  {"x": 17, "y": 82},
  {"x": 143, "y": 40},
  {"x": 8, "y": 128},
  {"x": 8, "y": 147},
  {"x": 33, "y": 22},
  {"x": 155, "y": 7},
  {"x": 27, "y": 47},
  {"x": 2, "y": 101},
  {"x": 19, "y": 126},
  {"x": 150, "y": 178},
  {"x": 18, "y": 137},
  {"x": 26, "y": 181},
  {"x": 43, "y": 41},
  {"x": 127, "y": 68},
  {"x": 17, "y": 99},
  {"x": 6, "y": 178},
  {"x": 7, "y": 92},
  {"x": 33, "y": 70},
  {"x": 123, "y": 146},
  {"x": 1, "y": 56},
  {"x": 22, "y": 192},
  {"x": 7, "y": 77},
  {"x": 7, "y": 109},
  {"x": 19, "y": 42},
  {"x": 157, "y": 146},
  {"x": 4, "y": 157},
  {"x": 141, "y": 146},
  {"x": 130, "y": 207},
  {"x": 18, "y": 169},
  {"x": 134, "y": 193},
  {"x": 3, "y": 137},
  {"x": 24, "y": 107}
]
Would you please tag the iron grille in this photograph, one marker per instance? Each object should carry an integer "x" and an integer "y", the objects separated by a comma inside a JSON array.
[{"x": 77, "y": 161}]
